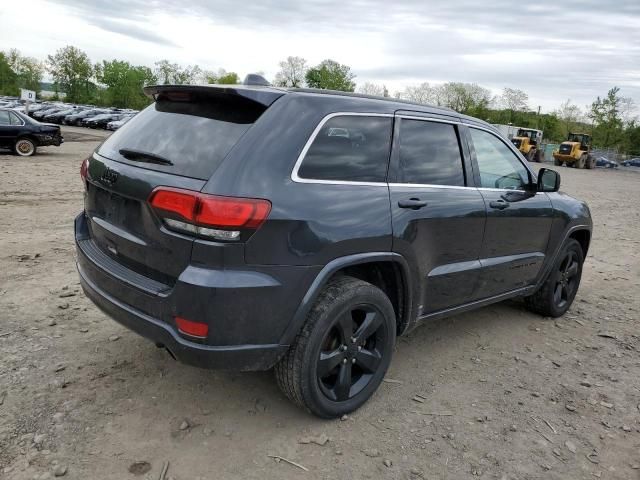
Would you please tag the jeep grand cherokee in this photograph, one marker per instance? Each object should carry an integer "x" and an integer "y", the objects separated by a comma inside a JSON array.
[{"x": 250, "y": 227}]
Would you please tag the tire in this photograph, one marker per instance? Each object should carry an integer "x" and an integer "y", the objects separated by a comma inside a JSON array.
[
  {"x": 351, "y": 369},
  {"x": 557, "y": 163},
  {"x": 531, "y": 155},
  {"x": 24, "y": 147},
  {"x": 591, "y": 162},
  {"x": 558, "y": 291},
  {"x": 581, "y": 162}
]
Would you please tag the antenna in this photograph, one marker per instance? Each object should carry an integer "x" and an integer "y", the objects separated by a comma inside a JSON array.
[{"x": 255, "y": 79}]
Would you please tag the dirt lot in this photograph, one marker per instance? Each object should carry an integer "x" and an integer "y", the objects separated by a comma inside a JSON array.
[{"x": 507, "y": 394}]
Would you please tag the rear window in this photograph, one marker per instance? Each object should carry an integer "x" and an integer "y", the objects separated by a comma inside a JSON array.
[
  {"x": 194, "y": 132},
  {"x": 349, "y": 148}
]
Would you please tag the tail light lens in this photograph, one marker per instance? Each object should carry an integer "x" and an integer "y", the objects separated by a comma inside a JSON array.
[
  {"x": 209, "y": 216},
  {"x": 84, "y": 171},
  {"x": 191, "y": 328}
]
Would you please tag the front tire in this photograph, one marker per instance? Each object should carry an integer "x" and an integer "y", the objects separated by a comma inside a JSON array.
[
  {"x": 342, "y": 353},
  {"x": 557, "y": 293},
  {"x": 24, "y": 147},
  {"x": 557, "y": 163}
]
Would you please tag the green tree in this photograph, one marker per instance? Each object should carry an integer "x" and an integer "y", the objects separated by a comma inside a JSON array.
[
  {"x": 606, "y": 114},
  {"x": 29, "y": 71},
  {"x": 8, "y": 78},
  {"x": 222, "y": 77},
  {"x": 124, "y": 83},
  {"x": 331, "y": 75},
  {"x": 72, "y": 71}
]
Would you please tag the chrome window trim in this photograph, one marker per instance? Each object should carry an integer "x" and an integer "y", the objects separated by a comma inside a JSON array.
[
  {"x": 429, "y": 119},
  {"x": 298, "y": 179}
]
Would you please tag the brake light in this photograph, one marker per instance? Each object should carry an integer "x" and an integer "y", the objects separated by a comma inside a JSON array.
[
  {"x": 194, "y": 329},
  {"x": 84, "y": 171},
  {"x": 210, "y": 216}
]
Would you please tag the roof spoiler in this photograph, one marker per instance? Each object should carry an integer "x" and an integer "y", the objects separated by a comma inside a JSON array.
[{"x": 263, "y": 96}]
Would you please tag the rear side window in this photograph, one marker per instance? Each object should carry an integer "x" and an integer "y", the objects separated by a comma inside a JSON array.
[
  {"x": 14, "y": 119},
  {"x": 351, "y": 148},
  {"x": 430, "y": 154},
  {"x": 194, "y": 132},
  {"x": 4, "y": 117}
]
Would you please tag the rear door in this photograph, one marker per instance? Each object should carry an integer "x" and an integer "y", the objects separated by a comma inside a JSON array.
[
  {"x": 438, "y": 215},
  {"x": 518, "y": 218},
  {"x": 178, "y": 141}
]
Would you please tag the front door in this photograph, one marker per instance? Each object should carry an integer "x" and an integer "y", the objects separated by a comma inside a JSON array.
[
  {"x": 438, "y": 220},
  {"x": 518, "y": 218}
]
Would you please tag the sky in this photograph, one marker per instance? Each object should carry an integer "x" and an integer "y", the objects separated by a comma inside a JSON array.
[{"x": 552, "y": 49}]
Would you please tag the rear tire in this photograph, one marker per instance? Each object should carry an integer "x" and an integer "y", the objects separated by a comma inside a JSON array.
[
  {"x": 342, "y": 353},
  {"x": 591, "y": 162},
  {"x": 558, "y": 291},
  {"x": 581, "y": 162},
  {"x": 557, "y": 163},
  {"x": 24, "y": 147}
]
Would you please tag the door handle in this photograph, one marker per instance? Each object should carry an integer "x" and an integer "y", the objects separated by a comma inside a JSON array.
[
  {"x": 412, "y": 203},
  {"x": 499, "y": 204}
]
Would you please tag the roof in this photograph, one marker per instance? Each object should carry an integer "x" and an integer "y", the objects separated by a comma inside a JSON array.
[{"x": 266, "y": 95}]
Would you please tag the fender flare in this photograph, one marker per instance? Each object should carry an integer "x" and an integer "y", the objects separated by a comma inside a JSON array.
[
  {"x": 551, "y": 261},
  {"x": 330, "y": 269}
]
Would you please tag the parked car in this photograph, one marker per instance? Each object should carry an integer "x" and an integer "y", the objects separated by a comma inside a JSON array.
[
  {"x": 46, "y": 111},
  {"x": 605, "y": 162},
  {"x": 24, "y": 135},
  {"x": 58, "y": 116},
  {"x": 116, "y": 124},
  {"x": 77, "y": 117},
  {"x": 634, "y": 162},
  {"x": 100, "y": 121},
  {"x": 247, "y": 227}
]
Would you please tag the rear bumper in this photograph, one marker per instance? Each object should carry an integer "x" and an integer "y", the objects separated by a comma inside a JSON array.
[
  {"x": 236, "y": 357},
  {"x": 247, "y": 311}
]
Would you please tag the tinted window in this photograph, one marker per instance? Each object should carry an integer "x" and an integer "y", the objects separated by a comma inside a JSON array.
[
  {"x": 351, "y": 148},
  {"x": 4, "y": 117},
  {"x": 499, "y": 167},
  {"x": 430, "y": 153},
  {"x": 194, "y": 132}
]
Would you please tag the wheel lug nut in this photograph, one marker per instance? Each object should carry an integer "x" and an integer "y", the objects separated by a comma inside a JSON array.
[
  {"x": 353, "y": 360},
  {"x": 343, "y": 348},
  {"x": 344, "y": 360},
  {"x": 353, "y": 340},
  {"x": 359, "y": 348}
]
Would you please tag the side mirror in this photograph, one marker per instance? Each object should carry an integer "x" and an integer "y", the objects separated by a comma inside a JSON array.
[{"x": 548, "y": 180}]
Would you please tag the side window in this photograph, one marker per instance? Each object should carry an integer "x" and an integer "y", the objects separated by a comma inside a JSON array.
[
  {"x": 350, "y": 148},
  {"x": 430, "y": 153},
  {"x": 14, "y": 119},
  {"x": 499, "y": 167},
  {"x": 4, "y": 118}
]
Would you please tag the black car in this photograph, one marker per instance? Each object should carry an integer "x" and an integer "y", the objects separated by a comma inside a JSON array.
[
  {"x": 247, "y": 227},
  {"x": 634, "y": 162},
  {"x": 24, "y": 135},
  {"x": 101, "y": 121},
  {"x": 58, "y": 117},
  {"x": 77, "y": 117}
]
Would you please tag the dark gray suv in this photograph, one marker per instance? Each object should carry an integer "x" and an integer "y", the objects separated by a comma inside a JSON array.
[{"x": 246, "y": 227}]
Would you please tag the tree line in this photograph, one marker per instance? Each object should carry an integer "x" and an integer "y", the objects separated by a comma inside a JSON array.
[{"x": 118, "y": 83}]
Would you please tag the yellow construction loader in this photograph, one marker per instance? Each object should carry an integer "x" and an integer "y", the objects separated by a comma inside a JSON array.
[
  {"x": 529, "y": 141},
  {"x": 575, "y": 152}
]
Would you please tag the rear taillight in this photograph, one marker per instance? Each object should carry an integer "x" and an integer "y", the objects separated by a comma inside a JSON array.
[
  {"x": 84, "y": 171},
  {"x": 209, "y": 216}
]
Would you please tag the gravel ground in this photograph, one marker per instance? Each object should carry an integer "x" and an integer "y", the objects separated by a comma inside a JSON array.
[{"x": 499, "y": 393}]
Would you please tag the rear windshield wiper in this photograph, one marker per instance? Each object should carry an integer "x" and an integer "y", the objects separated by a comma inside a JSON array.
[{"x": 139, "y": 156}]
